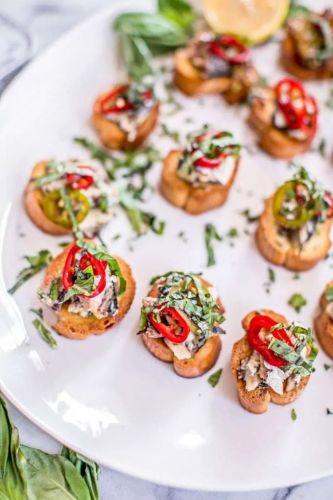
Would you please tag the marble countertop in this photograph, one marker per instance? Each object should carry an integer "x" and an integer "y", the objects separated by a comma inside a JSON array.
[{"x": 27, "y": 26}]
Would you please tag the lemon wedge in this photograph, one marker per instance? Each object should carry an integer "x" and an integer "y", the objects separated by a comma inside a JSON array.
[{"x": 254, "y": 20}]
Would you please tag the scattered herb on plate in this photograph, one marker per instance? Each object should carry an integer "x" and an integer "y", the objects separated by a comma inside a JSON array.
[
  {"x": 172, "y": 134},
  {"x": 214, "y": 378},
  {"x": 329, "y": 412},
  {"x": 233, "y": 232},
  {"x": 249, "y": 217},
  {"x": 44, "y": 333},
  {"x": 293, "y": 414},
  {"x": 36, "y": 264},
  {"x": 297, "y": 301},
  {"x": 211, "y": 235},
  {"x": 327, "y": 366}
]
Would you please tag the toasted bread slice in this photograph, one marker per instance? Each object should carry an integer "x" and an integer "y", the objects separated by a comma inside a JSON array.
[
  {"x": 188, "y": 79},
  {"x": 257, "y": 401},
  {"x": 192, "y": 199},
  {"x": 113, "y": 137},
  {"x": 275, "y": 142},
  {"x": 73, "y": 325},
  {"x": 277, "y": 249},
  {"x": 290, "y": 63},
  {"x": 32, "y": 203},
  {"x": 324, "y": 325},
  {"x": 202, "y": 361}
]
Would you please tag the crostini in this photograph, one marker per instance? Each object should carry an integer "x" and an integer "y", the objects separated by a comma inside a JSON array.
[
  {"x": 199, "y": 178},
  {"x": 89, "y": 289},
  {"x": 284, "y": 118},
  {"x": 181, "y": 322},
  {"x": 307, "y": 49},
  {"x": 324, "y": 320},
  {"x": 272, "y": 362},
  {"x": 126, "y": 115},
  {"x": 215, "y": 64},
  {"x": 57, "y": 186},
  {"x": 294, "y": 229}
]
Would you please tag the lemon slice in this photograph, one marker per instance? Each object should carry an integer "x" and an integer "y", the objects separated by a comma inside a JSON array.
[{"x": 255, "y": 20}]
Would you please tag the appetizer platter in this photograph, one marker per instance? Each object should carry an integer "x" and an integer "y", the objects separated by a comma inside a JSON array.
[{"x": 166, "y": 260}]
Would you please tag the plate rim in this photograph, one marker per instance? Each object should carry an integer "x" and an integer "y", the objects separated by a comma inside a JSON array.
[{"x": 229, "y": 486}]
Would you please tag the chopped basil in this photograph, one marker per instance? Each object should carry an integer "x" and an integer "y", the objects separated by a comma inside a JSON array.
[
  {"x": 38, "y": 312},
  {"x": 329, "y": 293},
  {"x": 249, "y": 218},
  {"x": 211, "y": 235},
  {"x": 36, "y": 264},
  {"x": 83, "y": 283},
  {"x": 70, "y": 210},
  {"x": 271, "y": 275},
  {"x": 293, "y": 414},
  {"x": 103, "y": 203},
  {"x": 233, "y": 232},
  {"x": 96, "y": 151},
  {"x": 296, "y": 276},
  {"x": 327, "y": 367},
  {"x": 140, "y": 220},
  {"x": 297, "y": 301},
  {"x": 44, "y": 333},
  {"x": 322, "y": 148},
  {"x": 54, "y": 289},
  {"x": 329, "y": 412},
  {"x": 213, "y": 380},
  {"x": 172, "y": 134},
  {"x": 64, "y": 244}
]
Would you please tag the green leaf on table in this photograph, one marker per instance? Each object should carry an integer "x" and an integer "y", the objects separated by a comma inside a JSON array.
[
  {"x": 36, "y": 264},
  {"x": 211, "y": 235},
  {"x": 178, "y": 11}
]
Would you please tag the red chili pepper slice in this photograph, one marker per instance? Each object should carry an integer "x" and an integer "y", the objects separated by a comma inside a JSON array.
[
  {"x": 77, "y": 181},
  {"x": 99, "y": 269},
  {"x": 173, "y": 326},
  {"x": 229, "y": 49},
  {"x": 258, "y": 323},
  {"x": 204, "y": 161},
  {"x": 108, "y": 103},
  {"x": 294, "y": 103}
]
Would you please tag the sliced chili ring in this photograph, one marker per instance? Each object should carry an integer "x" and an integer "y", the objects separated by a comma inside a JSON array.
[
  {"x": 170, "y": 329},
  {"x": 302, "y": 213},
  {"x": 229, "y": 49},
  {"x": 263, "y": 322},
  {"x": 99, "y": 269},
  {"x": 78, "y": 181},
  {"x": 108, "y": 104}
]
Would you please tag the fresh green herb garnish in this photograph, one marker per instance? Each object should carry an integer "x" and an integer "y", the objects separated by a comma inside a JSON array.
[
  {"x": 293, "y": 414},
  {"x": 271, "y": 275},
  {"x": 249, "y": 218},
  {"x": 327, "y": 367},
  {"x": 322, "y": 148},
  {"x": 172, "y": 134},
  {"x": 36, "y": 264},
  {"x": 211, "y": 235},
  {"x": 140, "y": 220},
  {"x": 96, "y": 151},
  {"x": 297, "y": 301},
  {"x": 64, "y": 244},
  {"x": 329, "y": 293},
  {"x": 233, "y": 232},
  {"x": 296, "y": 276},
  {"x": 329, "y": 412},
  {"x": 38, "y": 312},
  {"x": 70, "y": 210},
  {"x": 44, "y": 333},
  {"x": 28, "y": 473},
  {"x": 143, "y": 34},
  {"x": 214, "y": 378}
]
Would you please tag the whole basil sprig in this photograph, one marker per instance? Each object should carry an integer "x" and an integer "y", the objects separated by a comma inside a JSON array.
[{"x": 144, "y": 34}]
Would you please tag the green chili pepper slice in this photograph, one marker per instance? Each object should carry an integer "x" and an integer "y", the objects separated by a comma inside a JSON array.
[
  {"x": 53, "y": 207},
  {"x": 298, "y": 216}
]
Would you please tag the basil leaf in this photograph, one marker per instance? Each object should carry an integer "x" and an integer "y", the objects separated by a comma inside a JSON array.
[
  {"x": 137, "y": 56},
  {"x": 211, "y": 235},
  {"x": 178, "y": 11},
  {"x": 44, "y": 333},
  {"x": 329, "y": 293},
  {"x": 213, "y": 380},
  {"x": 53, "y": 477},
  {"x": 293, "y": 414},
  {"x": 13, "y": 485},
  {"x": 36, "y": 264},
  {"x": 38, "y": 312},
  {"x": 140, "y": 220},
  {"x": 70, "y": 210},
  {"x": 88, "y": 469}
]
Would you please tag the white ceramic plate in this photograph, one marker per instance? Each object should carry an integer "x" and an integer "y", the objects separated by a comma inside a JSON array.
[{"x": 107, "y": 397}]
